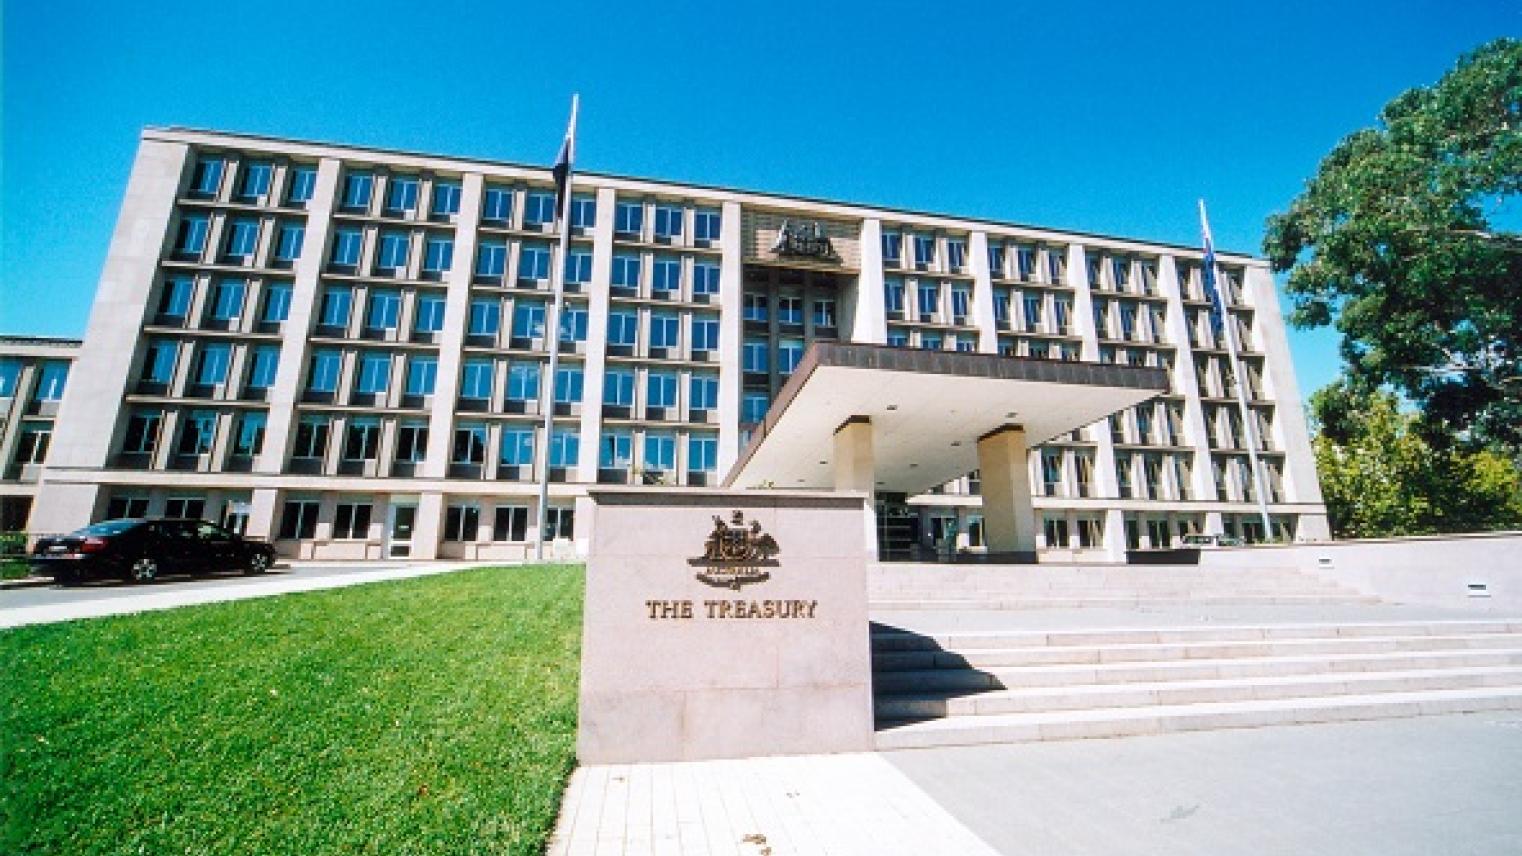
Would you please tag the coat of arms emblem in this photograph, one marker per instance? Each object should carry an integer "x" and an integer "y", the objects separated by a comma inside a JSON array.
[{"x": 735, "y": 554}]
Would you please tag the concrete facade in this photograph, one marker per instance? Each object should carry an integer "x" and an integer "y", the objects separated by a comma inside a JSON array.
[
  {"x": 340, "y": 348},
  {"x": 34, "y": 372}
]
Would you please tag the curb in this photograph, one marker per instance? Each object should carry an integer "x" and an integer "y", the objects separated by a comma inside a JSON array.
[{"x": 25, "y": 582}]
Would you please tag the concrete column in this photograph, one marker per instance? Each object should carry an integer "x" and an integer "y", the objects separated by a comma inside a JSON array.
[
  {"x": 263, "y": 513},
  {"x": 868, "y": 317},
  {"x": 428, "y": 525},
  {"x": 1009, "y": 518},
  {"x": 731, "y": 270},
  {"x": 855, "y": 464},
  {"x": 598, "y": 308},
  {"x": 982, "y": 294},
  {"x": 451, "y": 340},
  {"x": 1185, "y": 382}
]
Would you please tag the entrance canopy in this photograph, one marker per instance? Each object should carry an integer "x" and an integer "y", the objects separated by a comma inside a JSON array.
[{"x": 927, "y": 411}]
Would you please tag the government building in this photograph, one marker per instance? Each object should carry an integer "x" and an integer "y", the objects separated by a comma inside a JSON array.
[{"x": 344, "y": 350}]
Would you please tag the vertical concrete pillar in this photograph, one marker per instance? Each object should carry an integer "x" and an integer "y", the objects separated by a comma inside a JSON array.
[
  {"x": 426, "y": 529},
  {"x": 731, "y": 279},
  {"x": 451, "y": 341},
  {"x": 598, "y": 307},
  {"x": 263, "y": 513},
  {"x": 868, "y": 318},
  {"x": 1009, "y": 518},
  {"x": 855, "y": 465},
  {"x": 982, "y": 294}
]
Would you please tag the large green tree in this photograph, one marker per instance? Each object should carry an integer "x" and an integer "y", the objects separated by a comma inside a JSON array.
[
  {"x": 1409, "y": 240},
  {"x": 1381, "y": 477}
]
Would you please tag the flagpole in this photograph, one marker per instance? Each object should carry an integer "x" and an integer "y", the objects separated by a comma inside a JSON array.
[
  {"x": 1249, "y": 425},
  {"x": 547, "y": 388}
]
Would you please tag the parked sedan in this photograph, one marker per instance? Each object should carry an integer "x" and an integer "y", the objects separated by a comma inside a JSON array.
[{"x": 139, "y": 550}]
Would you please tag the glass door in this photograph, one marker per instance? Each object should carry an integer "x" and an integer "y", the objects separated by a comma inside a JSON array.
[{"x": 399, "y": 531}]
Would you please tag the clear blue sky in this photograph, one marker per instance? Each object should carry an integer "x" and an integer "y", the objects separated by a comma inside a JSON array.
[{"x": 1101, "y": 117}]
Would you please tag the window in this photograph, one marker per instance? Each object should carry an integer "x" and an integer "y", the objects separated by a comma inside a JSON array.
[
  {"x": 1051, "y": 472},
  {"x": 705, "y": 334},
  {"x": 534, "y": 262},
  {"x": 256, "y": 180},
  {"x": 893, "y": 294},
  {"x": 385, "y": 308},
  {"x": 158, "y": 365},
  {"x": 263, "y": 363},
  {"x": 790, "y": 310},
  {"x": 893, "y": 248},
  {"x": 754, "y": 355},
  {"x": 497, "y": 204},
  {"x": 665, "y": 330},
  {"x": 706, "y": 223},
  {"x": 623, "y": 327},
  {"x": 1056, "y": 531},
  {"x": 429, "y": 314},
  {"x": 560, "y": 522},
  {"x": 660, "y": 389},
  {"x": 438, "y": 253},
  {"x": 446, "y": 199},
  {"x": 517, "y": 448},
  {"x": 311, "y": 437},
  {"x": 931, "y": 342},
  {"x": 703, "y": 392},
  {"x": 523, "y": 382},
  {"x": 959, "y": 300},
  {"x": 142, "y": 435},
  {"x": 578, "y": 266},
  {"x": 565, "y": 446},
  {"x": 401, "y": 194},
  {"x": 660, "y": 452},
  {"x": 374, "y": 374},
  {"x": 485, "y": 317},
  {"x": 357, "y": 187},
  {"x": 197, "y": 433},
  {"x": 227, "y": 300},
  {"x": 755, "y": 307},
  {"x": 702, "y": 454},
  {"x": 475, "y": 380},
  {"x": 618, "y": 388},
  {"x": 789, "y": 352},
  {"x": 996, "y": 260},
  {"x": 334, "y": 311},
  {"x": 573, "y": 323},
  {"x": 361, "y": 440},
  {"x": 705, "y": 277},
  {"x": 32, "y": 444},
  {"x": 277, "y": 302},
  {"x": 1032, "y": 304},
  {"x": 929, "y": 296},
  {"x": 528, "y": 320},
  {"x": 667, "y": 274},
  {"x": 583, "y": 212},
  {"x": 924, "y": 251},
  {"x": 629, "y": 219},
  {"x": 509, "y": 523},
  {"x": 469, "y": 444},
  {"x": 1001, "y": 307},
  {"x": 626, "y": 269},
  {"x": 207, "y": 177},
  {"x": 568, "y": 384},
  {"x": 462, "y": 522},
  {"x": 393, "y": 251},
  {"x": 824, "y": 313},
  {"x": 956, "y": 253},
  {"x": 298, "y": 520},
  {"x": 411, "y": 442},
  {"x": 347, "y": 241},
  {"x": 242, "y": 239},
  {"x": 351, "y": 521},
  {"x": 1127, "y": 320},
  {"x": 211, "y": 370},
  {"x": 615, "y": 451},
  {"x": 323, "y": 376},
  {"x": 491, "y": 259},
  {"x": 538, "y": 208},
  {"x": 422, "y": 372},
  {"x": 668, "y": 221},
  {"x": 174, "y": 302},
  {"x": 1056, "y": 266},
  {"x": 191, "y": 240},
  {"x": 288, "y": 245},
  {"x": 303, "y": 184},
  {"x": 753, "y": 406}
]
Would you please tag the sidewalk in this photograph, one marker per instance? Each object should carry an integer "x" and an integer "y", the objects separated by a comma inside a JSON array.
[{"x": 123, "y": 601}]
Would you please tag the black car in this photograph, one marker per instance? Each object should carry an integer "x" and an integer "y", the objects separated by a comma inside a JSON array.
[{"x": 139, "y": 550}]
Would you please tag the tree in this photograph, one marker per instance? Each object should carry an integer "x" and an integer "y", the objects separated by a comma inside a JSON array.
[
  {"x": 1401, "y": 241},
  {"x": 1380, "y": 477}
]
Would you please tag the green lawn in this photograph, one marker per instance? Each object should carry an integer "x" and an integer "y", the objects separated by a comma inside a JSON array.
[{"x": 435, "y": 715}]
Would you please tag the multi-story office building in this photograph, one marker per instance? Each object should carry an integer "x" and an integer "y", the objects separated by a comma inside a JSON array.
[
  {"x": 34, "y": 371},
  {"x": 343, "y": 349}
]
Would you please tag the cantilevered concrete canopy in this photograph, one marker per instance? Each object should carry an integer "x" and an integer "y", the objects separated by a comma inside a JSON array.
[{"x": 927, "y": 410}]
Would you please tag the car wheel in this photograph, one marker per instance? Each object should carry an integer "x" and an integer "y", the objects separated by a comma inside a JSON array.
[
  {"x": 258, "y": 563},
  {"x": 145, "y": 570}
]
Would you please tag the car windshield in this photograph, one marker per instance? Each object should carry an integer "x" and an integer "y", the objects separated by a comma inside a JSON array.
[{"x": 107, "y": 527}]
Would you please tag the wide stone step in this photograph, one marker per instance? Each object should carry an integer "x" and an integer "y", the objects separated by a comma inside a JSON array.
[
  {"x": 1127, "y": 721},
  {"x": 1067, "y": 675},
  {"x": 889, "y": 639},
  {"x": 1002, "y": 603},
  {"x": 923, "y": 706},
  {"x": 1152, "y": 652}
]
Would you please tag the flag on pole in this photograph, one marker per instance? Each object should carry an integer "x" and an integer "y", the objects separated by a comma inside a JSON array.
[
  {"x": 1207, "y": 276},
  {"x": 563, "y": 161}
]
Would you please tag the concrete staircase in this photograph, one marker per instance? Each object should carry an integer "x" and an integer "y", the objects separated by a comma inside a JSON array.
[
  {"x": 915, "y": 586},
  {"x": 1018, "y": 686}
]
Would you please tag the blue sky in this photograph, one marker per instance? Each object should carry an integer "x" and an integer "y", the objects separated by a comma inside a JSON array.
[{"x": 1100, "y": 117}]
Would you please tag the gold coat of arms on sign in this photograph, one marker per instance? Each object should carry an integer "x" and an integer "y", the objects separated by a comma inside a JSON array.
[{"x": 736, "y": 554}]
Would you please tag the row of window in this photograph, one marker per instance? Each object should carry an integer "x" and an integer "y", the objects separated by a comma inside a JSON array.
[
  {"x": 789, "y": 309},
  {"x": 251, "y": 181},
  {"x": 51, "y": 377},
  {"x": 240, "y": 242}
]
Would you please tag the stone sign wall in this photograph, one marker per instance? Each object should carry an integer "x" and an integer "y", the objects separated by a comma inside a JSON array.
[{"x": 724, "y": 624}]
